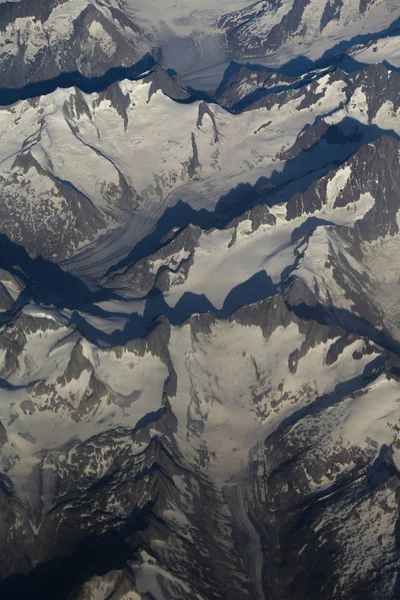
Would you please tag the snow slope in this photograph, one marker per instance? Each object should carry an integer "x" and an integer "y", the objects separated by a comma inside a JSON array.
[{"x": 199, "y": 317}]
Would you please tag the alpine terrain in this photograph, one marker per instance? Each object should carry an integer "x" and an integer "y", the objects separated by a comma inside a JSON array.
[{"x": 199, "y": 300}]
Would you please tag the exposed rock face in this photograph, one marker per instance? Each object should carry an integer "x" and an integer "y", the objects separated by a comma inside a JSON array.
[
  {"x": 40, "y": 42},
  {"x": 144, "y": 482},
  {"x": 266, "y": 28},
  {"x": 199, "y": 315}
]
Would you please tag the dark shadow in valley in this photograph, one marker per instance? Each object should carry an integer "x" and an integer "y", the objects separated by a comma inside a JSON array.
[
  {"x": 309, "y": 226},
  {"x": 331, "y": 148},
  {"x": 47, "y": 284},
  {"x": 382, "y": 469},
  {"x": 297, "y": 67},
  {"x": 301, "y": 65},
  {"x": 174, "y": 219},
  {"x": 94, "y": 555},
  {"x": 365, "y": 38},
  {"x": 348, "y": 321},
  {"x": 313, "y": 73},
  {"x": 44, "y": 281},
  {"x": 337, "y": 55},
  {"x": 88, "y": 85},
  {"x": 390, "y": 67},
  {"x": 258, "y": 287},
  {"x": 304, "y": 67}
]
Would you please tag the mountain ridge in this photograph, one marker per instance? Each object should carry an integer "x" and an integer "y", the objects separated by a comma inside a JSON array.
[{"x": 199, "y": 316}]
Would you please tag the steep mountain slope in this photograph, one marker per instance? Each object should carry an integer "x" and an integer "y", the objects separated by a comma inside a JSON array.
[
  {"x": 196, "y": 39},
  {"x": 52, "y": 143},
  {"x": 75, "y": 440},
  {"x": 83, "y": 161},
  {"x": 199, "y": 317},
  {"x": 287, "y": 29},
  {"x": 40, "y": 41}
]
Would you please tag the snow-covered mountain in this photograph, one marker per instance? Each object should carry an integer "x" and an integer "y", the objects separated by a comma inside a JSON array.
[
  {"x": 199, "y": 315},
  {"x": 40, "y": 41},
  {"x": 289, "y": 29}
]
